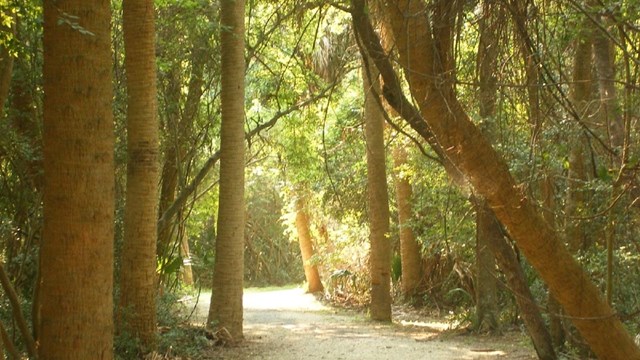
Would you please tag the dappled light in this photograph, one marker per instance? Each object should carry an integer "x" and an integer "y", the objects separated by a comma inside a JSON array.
[
  {"x": 297, "y": 179},
  {"x": 287, "y": 323}
]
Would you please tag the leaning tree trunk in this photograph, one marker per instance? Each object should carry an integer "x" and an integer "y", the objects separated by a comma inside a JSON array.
[
  {"x": 306, "y": 248},
  {"x": 226, "y": 298},
  {"x": 138, "y": 275},
  {"x": 517, "y": 283},
  {"x": 377, "y": 198},
  {"x": 489, "y": 175},
  {"x": 77, "y": 248}
]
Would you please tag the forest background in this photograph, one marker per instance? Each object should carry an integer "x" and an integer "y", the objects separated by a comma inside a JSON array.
[{"x": 552, "y": 86}]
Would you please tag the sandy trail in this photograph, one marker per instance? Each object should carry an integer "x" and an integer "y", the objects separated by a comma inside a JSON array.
[{"x": 291, "y": 325}]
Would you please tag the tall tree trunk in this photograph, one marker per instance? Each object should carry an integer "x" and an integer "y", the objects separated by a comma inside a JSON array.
[
  {"x": 138, "y": 276},
  {"x": 581, "y": 91},
  {"x": 6, "y": 62},
  {"x": 486, "y": 285},
  {"x": 604, "y": 57},
  {"x": 556, "y": 329},
  {"x": 490, "y": 177},
  {"x": 377, "y": 198},
  {"x": 410, "y": 252},
  {"x": 533, "y": 79},
  {"x": 306, "y": 247},
  {"x": 517, "y": 283},
  {"x": 226, "y": 298},
  {"x": 169, "y": 174},
  {"x": 486, "y": 282},
  {"x": 77, "y": 249}
]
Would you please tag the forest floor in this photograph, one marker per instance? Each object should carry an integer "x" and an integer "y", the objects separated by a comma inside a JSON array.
[{"x": 287, "y": 324}]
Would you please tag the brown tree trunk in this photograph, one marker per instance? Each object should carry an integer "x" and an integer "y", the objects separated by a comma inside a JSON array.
[
  {"x": 186, "y": 273},
  {"x": 306, "y": 248},
  {"x": 226, "y": 298},
  {"x": 138, "y": 275},
  {"x": 410, "y": 252},
  {"x": 377, "y": 198},
  {"x": 77, "y": 248},
  {"x": 486, "y": 283},
  {"x": 169, "y": 175},
  {"x": 556, "y": 329},
  {"x": 6, "y": 62},
  {"x": 517, "y": 283},
  {"x": 576, "y": 234},
  {"x": 487, "y": 230},
  {"x": 604, "y": 57},
  {"x": 490, "y": 177}
]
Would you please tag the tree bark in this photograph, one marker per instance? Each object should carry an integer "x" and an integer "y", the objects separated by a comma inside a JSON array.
[
  {"x": 410, "y": 252},
  {"x": 556, "y": 328},
  {"x": 6, "y": 62},
  {"x": 604, "y": 57},
  {"x": 486, "y": 283},
  {"x": 490, "y": 177},
  {"x": 138, "y": 275},
  {"x": 306, "y": 248},
  {"x": 77, "y": 248},
  {"x": 226, "y": 298},
  {"x": 581, "y": 91},
  {"x": 377, "y": 198},
  {"x": 487, "y": 230},
  {"x": 517, "y": 282}
]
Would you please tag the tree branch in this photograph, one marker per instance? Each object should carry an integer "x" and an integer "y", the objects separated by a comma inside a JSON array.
[{"x": 190, "y": 189}]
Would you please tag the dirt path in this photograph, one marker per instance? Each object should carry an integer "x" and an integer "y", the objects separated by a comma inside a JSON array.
[{"x": 290, "y": 325}]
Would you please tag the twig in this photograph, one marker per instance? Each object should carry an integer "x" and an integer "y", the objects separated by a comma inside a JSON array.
[
  {"x": 8, "y": 344},
  {"x": 17, "y": 313}
]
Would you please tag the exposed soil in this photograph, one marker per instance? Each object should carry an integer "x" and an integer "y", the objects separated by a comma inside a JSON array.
[{"x": 287, "y": 324}]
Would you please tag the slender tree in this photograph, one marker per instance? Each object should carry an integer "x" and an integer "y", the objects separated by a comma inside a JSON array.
[
  {"x": 306, "y": 247},
  {"x": 138, "y": 276},
  {"x": 410, "y": 252},
  {"x": 486, "y": 226},
  {"x": 377, "y": 198},
  {"x": 226, "y": 298},
  {"x": 77, "y": 248}
]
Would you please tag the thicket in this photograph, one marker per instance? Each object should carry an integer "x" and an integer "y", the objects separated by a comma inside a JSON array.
[{"x": 304, "y": 80}]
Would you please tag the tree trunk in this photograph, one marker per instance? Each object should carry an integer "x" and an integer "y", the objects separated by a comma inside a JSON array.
[
  {"x": 77, "y": 248},
  {"x": 556, "y": 329},
  {"x": 487, "y": 230},
  {"x": 576, "y": 234},
  {"x": 490, "y": 177},
  {"x": 186, "y": 273},
  {"x": 138, "y": 275},
  {"x": 306, "y": 248},
  {"x": 604, "y": 57},
  {"x": 226, "y": 298},
  {"x": 410, "y": 252},
  {"x": 169, "y": 175},
  {"x": 6, "y": 62},
  {"x": 377, "y": 198},
  {"x": 486, "y": 283},
  {"x": 517, "y": 283}
]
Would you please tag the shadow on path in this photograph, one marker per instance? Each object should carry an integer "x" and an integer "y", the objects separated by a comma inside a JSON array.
[{"x": 287, "y": 324}]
